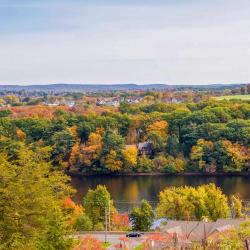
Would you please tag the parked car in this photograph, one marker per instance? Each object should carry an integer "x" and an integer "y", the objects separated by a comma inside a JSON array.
[{"x": 133, "y": 235}]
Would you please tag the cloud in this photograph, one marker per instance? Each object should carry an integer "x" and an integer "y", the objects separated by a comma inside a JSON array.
[{"x": 141, "y": 42}]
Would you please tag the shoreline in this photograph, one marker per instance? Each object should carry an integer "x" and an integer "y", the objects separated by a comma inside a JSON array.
[{"x": 75, "y": 174}]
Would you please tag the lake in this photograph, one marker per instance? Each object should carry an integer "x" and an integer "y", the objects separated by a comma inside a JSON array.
[{"x": 128, "y": 191}]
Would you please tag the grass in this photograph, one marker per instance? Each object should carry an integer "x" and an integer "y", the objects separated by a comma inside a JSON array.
[
  {"x": 106, "y": 245},
  {"x": 140, "y": 247},
  {"x": 231, "y": 97}
]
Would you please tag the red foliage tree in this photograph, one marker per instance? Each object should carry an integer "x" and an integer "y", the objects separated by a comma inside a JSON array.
[{"x": 89, "y": 243}]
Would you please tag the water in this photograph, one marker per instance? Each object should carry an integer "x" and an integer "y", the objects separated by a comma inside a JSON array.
[{"x": 128, "y": 191}]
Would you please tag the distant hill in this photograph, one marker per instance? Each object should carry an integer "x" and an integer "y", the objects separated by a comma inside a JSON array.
[{"x": 61, "y": 87}]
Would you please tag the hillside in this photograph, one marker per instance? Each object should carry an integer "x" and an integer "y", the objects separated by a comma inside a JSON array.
[{"x": 61, "y": 87}]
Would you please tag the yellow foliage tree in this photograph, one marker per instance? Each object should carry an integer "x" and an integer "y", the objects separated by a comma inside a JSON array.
[
  {"x": 73, "y": 131},
  {"x": 111, "y": 162},
  {"x": 95, "y": 140},
  {"x": 158, "y": 126},
  {"x": 130, "y": 156},
  {"x": 92, "y": 150},
  {"x": 197, "y": 152}
]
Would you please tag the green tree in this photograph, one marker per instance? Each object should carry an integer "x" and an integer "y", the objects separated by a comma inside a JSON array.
[
  {"x": 236, "y": 239},
  {"x": 113, "y": 141},
  {"x": 31, "y": 197},
  {"x": 142, "y": 217},
  {"x": 145, "y": 164},
  {"x": 236, "y": 206},
  {"x": 62, "y": 142},
  {"x": 158, "y": 141},
  {"x": 83, "y": 223},
  {"x": 173, "y": 146},
  {"x": 5, "y": 113},
  {"x": 96, "y": 203},
  {"x": 215, "y": 201}
]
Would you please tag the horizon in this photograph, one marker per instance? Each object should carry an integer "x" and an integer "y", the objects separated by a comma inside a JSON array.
[
  {"x": 117, "y": 42},
  {"x": 111, "y": 84}
]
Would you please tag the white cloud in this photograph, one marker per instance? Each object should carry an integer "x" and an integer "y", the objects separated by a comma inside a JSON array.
[{"x": 176, "y": 43}]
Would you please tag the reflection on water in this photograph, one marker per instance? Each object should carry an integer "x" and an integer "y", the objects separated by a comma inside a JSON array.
[{"x": 127, "y": 191}]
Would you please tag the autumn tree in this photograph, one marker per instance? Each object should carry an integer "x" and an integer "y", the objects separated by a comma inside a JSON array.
[
  {"x": 160, "y": 127},
  {"x": 237, "y": 239},
  {"x": 89, "y": 243},
  {"x": 174, "y": 165},
  {"x": 130, "y": 156},
  {"x": 144, "y": 164},
  {"x": 236, "y": 206},
  {"x": 20, "y": 134},
  {"x": 121, "y": 221},
  {"x": 230, "y": 157},
  {"x": 202, "y": 154},
  {"x": 188, "y": 203},
  {"x": 75, "y": 156},
  {"x": 85, "y": 156},
  {"x": 31, "y": 202},
  {"x": 112, "y": 161}
]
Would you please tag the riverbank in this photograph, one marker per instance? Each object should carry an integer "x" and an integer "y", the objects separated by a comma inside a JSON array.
[{"x": 79, "y": 174}]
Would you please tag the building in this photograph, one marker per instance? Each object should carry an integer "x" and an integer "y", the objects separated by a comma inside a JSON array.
[
  {"x": 197, "y": 231},
  {"x": 108, "y": 102},
  {"x": 145, "y": 148}
]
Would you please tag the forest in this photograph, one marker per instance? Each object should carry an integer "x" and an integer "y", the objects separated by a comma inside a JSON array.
[{"x": 211, "y": 136}]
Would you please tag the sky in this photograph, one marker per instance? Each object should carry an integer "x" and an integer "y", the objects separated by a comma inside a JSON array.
[{"x": 132, "y": 41}]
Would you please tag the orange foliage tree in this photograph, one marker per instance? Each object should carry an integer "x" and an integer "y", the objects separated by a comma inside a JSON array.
[
  {"x": 89, "y": 243},
  {"x": 158, "y": 126},
  {"x": 73, "y": 210},
  {"x": 120, "y": 221},
  {"x": 20, "y": 134}
]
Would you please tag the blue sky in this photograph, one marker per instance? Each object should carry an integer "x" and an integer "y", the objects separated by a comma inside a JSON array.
[{"x": 108, "y": 41}]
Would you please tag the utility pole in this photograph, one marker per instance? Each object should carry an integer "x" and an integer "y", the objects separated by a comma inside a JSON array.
[
  {"x": 106, "y": 225},
  {"x": 109, "y": 215},
  {"x": 205, "y": 236},
  {"x": 247, "y": 244}
]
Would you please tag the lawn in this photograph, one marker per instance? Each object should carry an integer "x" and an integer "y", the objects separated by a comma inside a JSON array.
[{"x": 230, "y": 97}]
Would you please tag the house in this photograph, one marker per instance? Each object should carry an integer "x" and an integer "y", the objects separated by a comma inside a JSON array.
[
  {"x": 157, "y": 223},
  {"x": 56, "y": 103},
  {"x": 197, "y": 231},
  {"x": 108, "y": 102},
  {"x": 145, "y": 148},
  {"x": 134, "y": 100},
  {"x": 70, "y": 104}
]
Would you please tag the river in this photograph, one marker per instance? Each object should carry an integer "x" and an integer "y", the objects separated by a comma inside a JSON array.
[{"x": 128, "y": 191}]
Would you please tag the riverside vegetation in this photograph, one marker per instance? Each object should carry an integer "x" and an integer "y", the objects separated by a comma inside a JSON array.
[{"x": 148, "y": 137}]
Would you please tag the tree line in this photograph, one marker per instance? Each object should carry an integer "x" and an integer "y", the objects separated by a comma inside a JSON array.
[{"x": 211, "y": 136}]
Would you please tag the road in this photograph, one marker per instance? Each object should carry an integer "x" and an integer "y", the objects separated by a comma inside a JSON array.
[{"x": 114, "y": 238}]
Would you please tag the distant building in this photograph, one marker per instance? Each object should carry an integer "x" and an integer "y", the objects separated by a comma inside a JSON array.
[
  {"x": 134, "y": 100},
  {"x": 70, "y": 104},
  {"x": 56, "y": 103},
  {"x": 145, "y": 148},
  {"x": 115, "y": 102}
]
